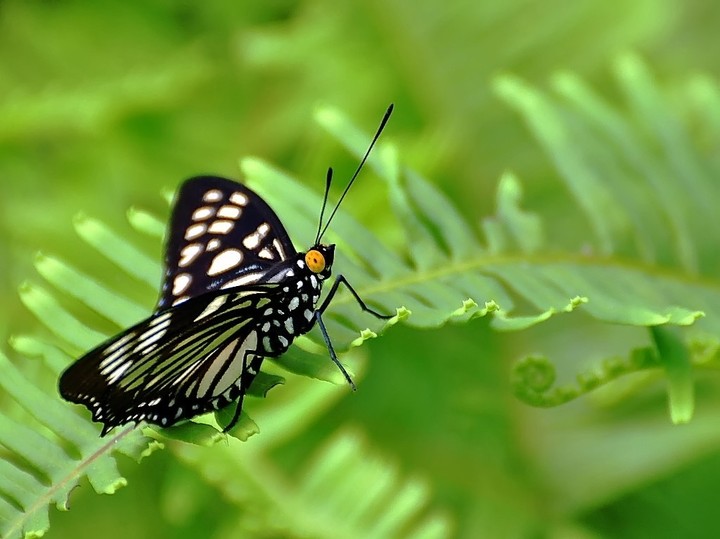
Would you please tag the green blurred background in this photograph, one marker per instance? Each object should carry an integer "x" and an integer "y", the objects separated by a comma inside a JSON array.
[{"x": 105, "y": 104}]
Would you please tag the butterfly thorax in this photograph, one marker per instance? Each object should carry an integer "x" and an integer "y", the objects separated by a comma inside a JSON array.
[{"x": 291, "y": 312}]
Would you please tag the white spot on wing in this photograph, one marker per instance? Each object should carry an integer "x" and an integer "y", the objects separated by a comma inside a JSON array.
[
  {"x": 152, "y": 335},
  {"x": 146, "y": 350},
  {"x": 239, "y": 198},
  {"x": 190, "y": 253},
  {"x": 117, "y": 344},
  {"x": 289, "y": 326},
  {"x": 213, "y": 195},
  {"x": 280, "y": 277},
  {"x": 117, "y": 373},
  {"x": 203, "y": 213},
  {"x": 225, "y": 261},
  {"x": 229, "y": 212},
  {"x": 266, "y": 254},
  {"x": 294, "y": 303},
  {"x": 195, "y": 231},
  {"x": 181, "y": 283},
  {"x": 252, "y": 241},
  {"x": 108, "y": 364},
  {"x": 221, "y": 227},
  {"x": 245, "y": 279},
  {"x": 213, "y": 244},
  {"x": 212, "y": 307},
  {"x": 279, "y": 248},
  {"x": 308, "y": 314}
]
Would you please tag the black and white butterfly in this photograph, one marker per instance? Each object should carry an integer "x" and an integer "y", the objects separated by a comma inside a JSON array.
[{"x": 235, "y": 292}]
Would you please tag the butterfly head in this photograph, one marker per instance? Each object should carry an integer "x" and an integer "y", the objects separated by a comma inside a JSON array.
[{"x": 319, "y": 259}]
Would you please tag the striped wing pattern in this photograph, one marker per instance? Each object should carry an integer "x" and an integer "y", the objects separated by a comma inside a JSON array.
[
  {"x": 181, "y": 362},
  {"x": 235, "y": 291}
]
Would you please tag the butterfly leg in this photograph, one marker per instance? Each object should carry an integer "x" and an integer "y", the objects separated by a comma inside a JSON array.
[
  {"x": 246, "y": 378},
  {"x": 236, "y": 416},
  {"x": 331, "y": 350},
  {"x": 342, "y": 280}
]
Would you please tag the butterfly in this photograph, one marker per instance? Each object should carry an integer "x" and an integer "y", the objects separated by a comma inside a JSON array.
[{"x": 235, "y": 292}]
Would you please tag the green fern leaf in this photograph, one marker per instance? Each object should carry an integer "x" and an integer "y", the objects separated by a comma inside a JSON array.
[
  {"x": 345, "y": 490},
  {"x": 450, "y": 265},
  {"x": 48, "y": 449},
  {"x": 449, "y": 272},
  {"x": 648, "y": 199}
]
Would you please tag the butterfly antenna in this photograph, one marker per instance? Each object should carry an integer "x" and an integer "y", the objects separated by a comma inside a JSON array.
[
  {"x": 328, "y": 181},
  {"x": 385, "y": 119}
]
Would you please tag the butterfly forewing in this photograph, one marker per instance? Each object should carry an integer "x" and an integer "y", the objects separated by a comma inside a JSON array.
[{"x": 221, "y": 235}]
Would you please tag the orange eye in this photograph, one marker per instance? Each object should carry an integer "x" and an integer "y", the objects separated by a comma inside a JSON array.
[{"x": 315, "y": 261}]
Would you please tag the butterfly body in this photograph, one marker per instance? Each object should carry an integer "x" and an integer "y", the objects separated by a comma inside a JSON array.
[{"x": 235, "y": 291}]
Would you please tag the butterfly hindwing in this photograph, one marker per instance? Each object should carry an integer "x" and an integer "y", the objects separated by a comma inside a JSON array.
[
  {"x": 221, "y": 234},
  {"x": 183, "y": 361}
]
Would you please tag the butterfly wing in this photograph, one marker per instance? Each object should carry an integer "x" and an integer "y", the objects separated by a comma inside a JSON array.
[
  {"x": 221, "y": 234},
  {"x": 183, "y": 361}
]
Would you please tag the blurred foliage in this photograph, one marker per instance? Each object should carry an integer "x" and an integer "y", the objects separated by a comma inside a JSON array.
[{"x": 104, "y": 105}]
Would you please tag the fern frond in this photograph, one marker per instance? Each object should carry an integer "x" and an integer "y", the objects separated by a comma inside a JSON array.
[
  {"x": 345, "y": 491},
  {"x": 48, "y": 449},
  {"x": 76, "y": 307},
  {"x": 447, "y": 271},
  {"x": 450, "y": 265}
]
